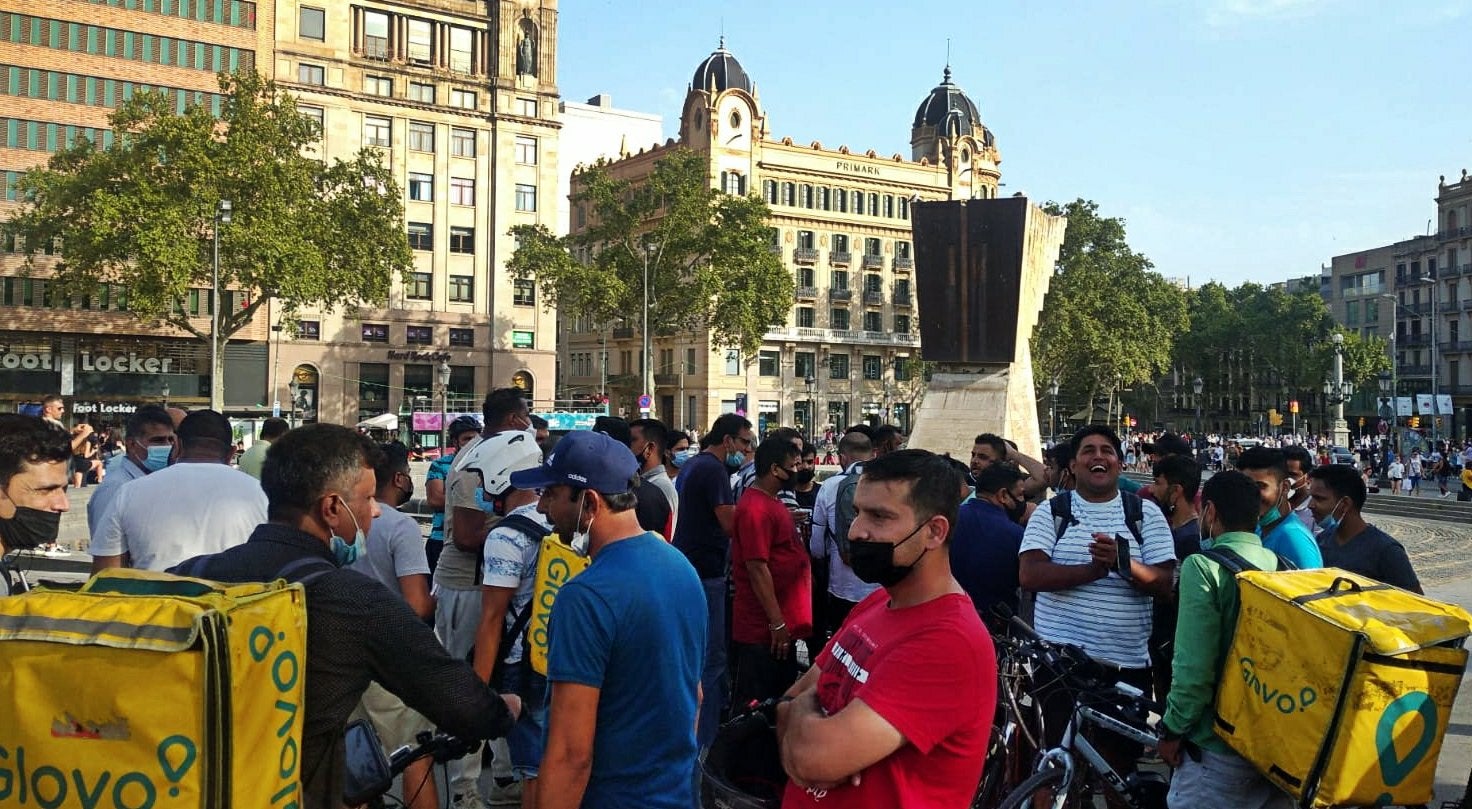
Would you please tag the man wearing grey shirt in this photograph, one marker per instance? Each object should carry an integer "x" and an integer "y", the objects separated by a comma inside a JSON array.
[{"x": 648, "y": 439}]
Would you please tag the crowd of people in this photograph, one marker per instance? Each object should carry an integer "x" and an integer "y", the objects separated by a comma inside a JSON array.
[{"x": 720, "y": 572}]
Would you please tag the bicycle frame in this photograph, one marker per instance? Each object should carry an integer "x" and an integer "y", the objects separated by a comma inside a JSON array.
[{"x": 1073, "y": 739}]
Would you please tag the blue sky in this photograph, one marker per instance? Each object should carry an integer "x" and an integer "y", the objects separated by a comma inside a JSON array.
[{"x": 1239, "y": 139}]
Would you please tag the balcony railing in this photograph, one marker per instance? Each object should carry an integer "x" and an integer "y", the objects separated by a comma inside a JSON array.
[
  {"x": 904, "y": 263},
  {"x": 1455, "y": 346},
  {"x": 873, "y": 262},
  {"x": 901, "y": 299},
  {"x": 623, "y": 332},
  {"x": 807, "y": 293},
  {"x": 875, "y": 298},
  {"x": 1414, "y": 309},
  {"x": 839, "y": 258},
  {"x": 1467, "y": 269},
  {"x": 840, "y": 294},
  {"x": 805, "y": 255},
  {"x": 1414, "y": 370},
  {"x": 852, "y": 336},
  {"x": 1411, "y": 340},
  {"x": 1467, "y": 304},
  {"x": 1454, "y": 233},
  {"x": 666, "y": 379}
]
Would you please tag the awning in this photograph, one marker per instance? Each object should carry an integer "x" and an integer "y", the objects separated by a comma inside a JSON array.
[{"x": 387, "y": 421}]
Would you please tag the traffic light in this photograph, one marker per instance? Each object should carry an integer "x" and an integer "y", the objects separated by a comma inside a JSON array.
[
  {"x": 1275, "y": 418},
  {"x": 1415, "y": 422}
]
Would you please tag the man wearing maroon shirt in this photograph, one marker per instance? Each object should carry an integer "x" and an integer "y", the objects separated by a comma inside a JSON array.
[
  {"x": 772, "y": 605},
  {"x": 897, "y": 708}
]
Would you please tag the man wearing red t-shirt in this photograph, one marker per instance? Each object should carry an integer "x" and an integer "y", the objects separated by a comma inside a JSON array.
[
  {"x": 772, "y": 605},
  {"x": 897, "y": 708}
]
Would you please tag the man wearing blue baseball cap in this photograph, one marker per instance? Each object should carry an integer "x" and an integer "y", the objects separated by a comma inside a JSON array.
[{"x": 626, "y": 640}]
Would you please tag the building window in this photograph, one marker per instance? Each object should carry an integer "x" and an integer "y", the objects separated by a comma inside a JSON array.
[
  {"x": 806, "y": 277},
  {"x": 805, "y": 195},
  {"x": 462, "y": 288},
  {"x": 526, "y": 107},
  {"x": 767, "y": 363},
  {"x": 373, "y": 382},
  {"x": 873, "y": 204},
  {"x": 840, "y": 243},
  {"x": 524, "y": 292},
  {"x": 902, "y": 369},
  {"x": 804, "y": 365},
  {"x": 311, "y": 74},
  {"x": 462, "y": 240},
  {"x": 311, "y": 23},
  {"x": 464, "y": 99},
  {"x": 769, "y": 191},
  {"x": 462, "y": 338},
  {"x": 377, "y": 131},
  {"x": 805, "y": 240},
  {"x": 841, "y": 197},
  {"x": 462, "y": 191},
  {"x": 375, "y": 35},
  {"x": 526, "y": 150},
  {"x": 733, "y": 362},
  {"x": 838, "y": 319},
  {"x": 419, "y": 335},
  {"x": 421, "y": 136},
  {"x": 871, "y": 247},
  {"x": 873, "y": 321},
  {"x": 689, "y": 361},
  {"x": 462, "y": 142},
  {"x": 523, "y": 339},
  {"x": 873, "y": 366},
  {"x": 462, "y": 46},
  {"x": 526, "y": 197},
  {"x": 378, "y": 86},
  {"x": 421, "y": 235},
  {"x": 901, "y": 324},
  {"x": 421, "y": 187},
  {"x": 824, "y": 198},
  {"x": 375, "y": 332},
  {"x": 902, "y": 250},
  {"x": 904, "y": 208},
  {"x": 420, "y": 287},
  {"x": 421, "y": 42},
  {"x": 732, "y": 183},
  {"x": 858, "y": 198},
  {"x": 318, "y": 116},
  {"x": 309, "y": 330},
  {"x": 838, "y": 366},
  {"x": 889, "y": 205},
  {"x": 789, "y": 194},
  {"x": 805, "y": 317},
  {"x": 840, "y": 279},
  {"x": 423, "y": 93}
]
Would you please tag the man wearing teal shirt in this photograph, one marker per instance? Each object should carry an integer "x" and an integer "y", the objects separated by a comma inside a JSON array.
[
  {"x": 1281, "y": 532},
  {"x": 1209, "y": 775}
]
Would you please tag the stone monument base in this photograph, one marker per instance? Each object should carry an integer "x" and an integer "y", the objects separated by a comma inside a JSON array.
[{"x": 960, "y": 405}]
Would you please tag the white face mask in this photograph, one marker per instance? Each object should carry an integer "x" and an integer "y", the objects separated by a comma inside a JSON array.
[{"x": 580, "y": 538}]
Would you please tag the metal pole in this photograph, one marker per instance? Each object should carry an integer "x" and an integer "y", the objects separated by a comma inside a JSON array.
[
  {"x": 1435, "y": 410},
  {"x": 1340, "y": 430},
  {"x": 215, "y": 319},
  {"x": 646, "y": 376}
]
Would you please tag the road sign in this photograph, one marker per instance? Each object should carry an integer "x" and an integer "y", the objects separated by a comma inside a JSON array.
[
  {"x": 276, "y": 408},
  {"x": 1384, "y": 428},
  {"x": 645, "y": 401}
]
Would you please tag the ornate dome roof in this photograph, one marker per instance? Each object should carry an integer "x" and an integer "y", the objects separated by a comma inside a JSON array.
[
  {"x": 945, "y": 103},
  {"x": 722, "y": 69}
]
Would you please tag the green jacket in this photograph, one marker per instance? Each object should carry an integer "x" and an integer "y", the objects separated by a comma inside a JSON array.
[{"x": 1208, "y": 613}]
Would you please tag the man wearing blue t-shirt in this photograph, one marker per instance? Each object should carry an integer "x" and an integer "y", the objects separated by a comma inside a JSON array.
[
  {"x": 626, "y": 641},
  {"x": 1281, "y": 532}
]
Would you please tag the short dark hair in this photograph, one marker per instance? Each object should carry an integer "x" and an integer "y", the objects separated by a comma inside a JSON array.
[
  {"x": 146, "y": 415},
  {"x": 309, "y": 462},
  {"x": 1095, "y": 429},
  {"x": 773, "y": 452},
  {"x": 726, "y": 425},
  {"x": 935, "y": 485},
  {"x": 273, "y": 428},
  {"x": 786, "y": 434},
  {"x": 652, "y": 431},
  {"x": 1297, "y": 453},
  {"x": 501, "y": 404},
  {"x": 393, "y": 458},
  {"x": 1343, "y": 481},
  {"x": 1180, "y": 470},
  {"x": 206, "y": 431},
  {"x": 1062, "y": 454},
  {"x": 886, "y": 432},
  {"x": 539, "y": 423},
  {"x": 997, "y": 477},
  {"x": 861, "y": 428},
  {"x": 614, "y": 427},
  {"x": 808, "y": 448},
  {"x": 994, "y": 441},
  {"x": 1258, "y": 458},
  {"x": 1236, "y": 499},
  {"x": 30, "y": 440},
  {"x": 52, "y": 397}
]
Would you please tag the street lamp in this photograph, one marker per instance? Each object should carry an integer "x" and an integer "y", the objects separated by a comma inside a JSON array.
[
  {"x": 1387, "y": 409},
  {"x": 812, "y": 411},
  {"x": 1196, "y": 386},
  {"x": 223, "y": 210},
  {"x": 166, "y": 394},
  {"x": 1337, "y": 391},
  {"x": 444, "y": 374},
  {"x": 647, "y": 365},
  {"x": 1053, "y": 410},
  {"x": 293, "y": 387},
  {"x": 1435, "y": 410}
]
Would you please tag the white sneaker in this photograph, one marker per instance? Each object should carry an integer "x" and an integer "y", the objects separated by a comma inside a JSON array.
[
  {"x": 468, "y": 800},
  {"x": 57, "y": 550},
  {"x": 509, "y": 795}
]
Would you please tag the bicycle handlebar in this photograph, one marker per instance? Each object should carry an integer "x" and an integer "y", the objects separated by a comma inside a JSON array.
[
  {"x": 1070, "y": 661},
  {"x": 441, "y": 746}
]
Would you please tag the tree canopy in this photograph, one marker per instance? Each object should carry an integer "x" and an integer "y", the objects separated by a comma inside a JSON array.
[
  {"x": 709, "y": 256},
  {"x": 141, "y": 212}
]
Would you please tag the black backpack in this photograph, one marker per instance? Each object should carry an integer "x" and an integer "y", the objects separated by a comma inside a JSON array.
[{"x": 534, "y": 531}]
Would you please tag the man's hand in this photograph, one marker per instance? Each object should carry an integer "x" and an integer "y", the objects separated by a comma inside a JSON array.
[
  {"x": 1170, "y": 751},
  {"x": 513, "y": 704},
  {"x": 781, "y": 642},
  {"x": 1104, "y": 550}
]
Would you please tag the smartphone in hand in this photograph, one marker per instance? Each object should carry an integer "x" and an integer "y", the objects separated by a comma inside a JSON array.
[{"x": 1122, "y": 557}]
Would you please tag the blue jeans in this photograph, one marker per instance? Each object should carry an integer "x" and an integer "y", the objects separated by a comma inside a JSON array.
[
  {"x": 713, "y": 678},
  {"x": 528, "y": 735}
]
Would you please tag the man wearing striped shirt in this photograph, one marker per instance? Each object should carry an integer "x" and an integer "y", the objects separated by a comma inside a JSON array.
[{"x": 1082, "y": 597}]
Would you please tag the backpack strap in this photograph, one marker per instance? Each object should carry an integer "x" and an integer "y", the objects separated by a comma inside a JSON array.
[
  {"x": 1233, "y": 561},
  {"x": 1134, "y": 515},
  {"x": 1061, "y": 505},
  {"x": 193, "y": 567},
  {"x": 525, "y": 525},
  {"x": 305, "y": 570}
]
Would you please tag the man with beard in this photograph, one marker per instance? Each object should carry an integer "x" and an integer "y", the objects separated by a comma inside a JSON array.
[
  {"x": 34, "y": 458},
  {"x": 988, "y": 538}
]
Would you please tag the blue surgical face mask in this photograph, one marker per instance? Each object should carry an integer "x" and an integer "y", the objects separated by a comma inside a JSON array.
[
  {"x": 734, "y": 460},
  {"x": 158, "y": 457},
  {"x": 342, "y": 551},
  {"x": 679, "y": 458},
  {"x": 1330, "y": 523}
]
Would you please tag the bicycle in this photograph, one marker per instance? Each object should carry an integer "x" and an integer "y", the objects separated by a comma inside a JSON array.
[
  {"x": 1017, "y": 732},
  {"x": 370, "y": 774},
  {"x": 743, "y": 768},
  {"x": 1067, "y": 775},
  {"x": 12, "y": 576}
]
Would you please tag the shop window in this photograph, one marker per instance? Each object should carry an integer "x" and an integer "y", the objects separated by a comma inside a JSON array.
[{"x": 375, "y": 332}]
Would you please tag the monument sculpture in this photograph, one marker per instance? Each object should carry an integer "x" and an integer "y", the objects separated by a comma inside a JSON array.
[{"x": 982, "y": 268}]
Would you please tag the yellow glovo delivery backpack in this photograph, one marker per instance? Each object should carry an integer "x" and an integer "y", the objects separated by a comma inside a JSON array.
[
  {"x": 1339, "y": 688},
  {"x": 151, "y": 690}
]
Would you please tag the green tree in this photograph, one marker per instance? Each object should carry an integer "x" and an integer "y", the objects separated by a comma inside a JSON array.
[
  {"x": 709, "y": 258},
  {"x": 1109, "y": 321},
  {"x": 141, "y": 213}
]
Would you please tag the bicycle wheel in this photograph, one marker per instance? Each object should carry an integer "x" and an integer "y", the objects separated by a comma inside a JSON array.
[{"x": 1049, "y": 781}]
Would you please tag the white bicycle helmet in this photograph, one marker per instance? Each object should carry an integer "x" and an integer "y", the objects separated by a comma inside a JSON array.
[{"x": 498, "y": 456}]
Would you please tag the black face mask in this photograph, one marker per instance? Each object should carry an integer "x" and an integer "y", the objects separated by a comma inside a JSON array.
[
  {"x": 873, "y": 562},
  {"x": 30, "y": 528},
  {"x": 1016, "y": 510},
  {"x": 804, "y": 477}
]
